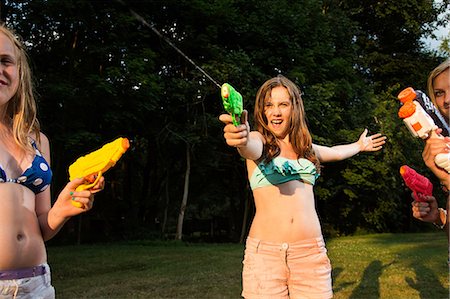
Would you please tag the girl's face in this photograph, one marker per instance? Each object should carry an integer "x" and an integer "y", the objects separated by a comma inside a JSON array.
[
  {"x": 9, "y": 71},
  {"x": 277, "y": 109},
  {"x": 441, "y": 87}
]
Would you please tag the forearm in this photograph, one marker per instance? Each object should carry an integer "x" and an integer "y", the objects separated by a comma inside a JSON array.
[
  {"x": 51, "y": 223},
  {"x": 253, "y": 149},
  {"x": 337, "y": 152},
  {"x": 346, "y": 151}
]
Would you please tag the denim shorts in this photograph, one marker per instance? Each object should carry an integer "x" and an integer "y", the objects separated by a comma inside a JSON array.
[
  {"x": 286, "y": 270},
  {"x": 38, "y": 287}
]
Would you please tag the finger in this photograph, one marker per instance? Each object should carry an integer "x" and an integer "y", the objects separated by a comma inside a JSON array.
[
  {"x": 230, "y": 128},
  {"x": 375, "y": 148},
  {"x": 236, "y": 139},
  {"x": 86, "y": 202},
  {"x": 237, "y": 142},
  {"x": 235, "y": 135},
  {"x": 99, "y": 186},
  {"x": 80, "y": 200},
  {"x": 428, "y": 200},
  {"x": 379, "y": 141},
  {"x": 375, "y": 136},
  {"x": 226, "y": 118},
  {"x": 378, "y": 138},
  {"x": 96, "y": 190}
]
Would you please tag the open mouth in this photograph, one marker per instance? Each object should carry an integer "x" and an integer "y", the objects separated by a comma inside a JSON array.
[{"x": 276, "y": 123}]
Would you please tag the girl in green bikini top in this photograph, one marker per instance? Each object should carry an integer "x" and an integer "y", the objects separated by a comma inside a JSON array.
[
  {"x": 281, "y": 170},
  {"x": 283, "y": 164}
]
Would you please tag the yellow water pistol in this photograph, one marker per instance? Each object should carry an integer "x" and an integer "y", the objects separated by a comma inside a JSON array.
[{"x": 93, "y": 165}]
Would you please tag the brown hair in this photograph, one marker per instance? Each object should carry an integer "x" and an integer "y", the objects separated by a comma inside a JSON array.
[
  {"x": 299, "y": 135},
  {"x": 21, "y": 109}
]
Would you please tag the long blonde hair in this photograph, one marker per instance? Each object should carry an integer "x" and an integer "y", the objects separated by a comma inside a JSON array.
[
  {"x": 433, "y": 74},
  {"x": 299, "y": 134},
  {"x": 21, "y": 108}
]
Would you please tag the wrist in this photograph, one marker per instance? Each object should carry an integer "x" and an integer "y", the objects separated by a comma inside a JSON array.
[
  {"x": 56, "y": 216},
  {"x": 441, "y": 219}
]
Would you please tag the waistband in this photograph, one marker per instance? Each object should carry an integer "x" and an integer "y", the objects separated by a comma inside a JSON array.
[
  {"x": 307, "y": 243},
  {"x": 23, "y": 273}
]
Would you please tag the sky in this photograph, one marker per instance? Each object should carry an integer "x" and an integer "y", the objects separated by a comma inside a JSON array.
[{"x": 440, "y": 33}]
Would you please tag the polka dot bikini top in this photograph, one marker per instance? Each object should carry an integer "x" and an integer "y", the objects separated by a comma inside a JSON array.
[{"x": 36, "y": 177}]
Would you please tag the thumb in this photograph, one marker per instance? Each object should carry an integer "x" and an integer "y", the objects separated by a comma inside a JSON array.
[
  {"x": 364, "y": 133},
  {"x": 73, "y": 184},
  {"x": 244, "y": 117}
]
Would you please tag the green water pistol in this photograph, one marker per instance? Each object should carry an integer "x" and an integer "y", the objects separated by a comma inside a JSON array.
[{"x": 232, "y": 102}]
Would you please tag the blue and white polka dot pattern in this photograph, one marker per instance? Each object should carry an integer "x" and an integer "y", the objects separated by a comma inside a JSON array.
[{"x": 37, "y": 177}]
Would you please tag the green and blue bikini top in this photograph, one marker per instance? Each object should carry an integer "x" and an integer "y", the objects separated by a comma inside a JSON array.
[
  {"x": 36, "y": 177},
  {"x": 281, "y": 170}
]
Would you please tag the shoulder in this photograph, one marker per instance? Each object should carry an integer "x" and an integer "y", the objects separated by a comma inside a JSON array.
[
  {"x": 44, "y": 146},
  {"x": 43, "y": 137},
  {"x": 41, "y": 140}
]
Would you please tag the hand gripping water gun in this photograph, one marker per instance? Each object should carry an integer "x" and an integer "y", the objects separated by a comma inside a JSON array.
[
  {"x": 420, "y": 185},
  {"x": 419, "y": 122},
  {"x": 95, "y": 164},
  {"x": 232, "y": 102}
]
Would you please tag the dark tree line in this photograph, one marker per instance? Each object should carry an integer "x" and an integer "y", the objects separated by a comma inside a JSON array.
[{"x": 102, "y": 73}]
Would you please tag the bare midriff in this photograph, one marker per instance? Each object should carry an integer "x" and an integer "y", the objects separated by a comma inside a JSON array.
[
  {"x": 21, "y": 240},
  {"x": 285, "y": 213}
]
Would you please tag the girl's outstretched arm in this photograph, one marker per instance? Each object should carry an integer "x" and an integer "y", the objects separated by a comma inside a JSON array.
[
  {"x": 365, "y": 143},
  {"x": 248, "y": 143}
]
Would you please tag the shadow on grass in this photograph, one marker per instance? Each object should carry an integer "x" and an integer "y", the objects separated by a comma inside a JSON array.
[
  {"x": 427, "y": 283},
  {"x": 369, "y": 287},
  {"x": 335, "y": 274}
]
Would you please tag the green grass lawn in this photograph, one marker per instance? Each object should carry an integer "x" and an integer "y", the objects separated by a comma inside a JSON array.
[{"x": 370, "y": 266}]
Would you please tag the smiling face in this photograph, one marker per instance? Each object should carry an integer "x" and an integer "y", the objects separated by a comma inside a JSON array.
[
  {"x": 277, "y": 110},
  {"x": 9, "y": 70},
  {"x": 441, "y": 91}
]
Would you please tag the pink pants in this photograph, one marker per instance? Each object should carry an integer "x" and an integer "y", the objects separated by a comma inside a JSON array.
[{"x": 288, "y": 270}]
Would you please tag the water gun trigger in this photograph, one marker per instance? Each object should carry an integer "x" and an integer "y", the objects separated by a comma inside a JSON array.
[{"x": 92, "y": 181}]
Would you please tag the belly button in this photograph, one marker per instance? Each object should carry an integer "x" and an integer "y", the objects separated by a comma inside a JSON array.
[
  {"x": 19, "y": 237},
  {"x": 292, "y": 220}
]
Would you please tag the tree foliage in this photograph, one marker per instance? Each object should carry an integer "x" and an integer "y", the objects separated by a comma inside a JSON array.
[{"x": 101, "y": 72}]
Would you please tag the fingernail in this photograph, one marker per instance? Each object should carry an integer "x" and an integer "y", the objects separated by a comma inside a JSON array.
[
  {"x": 73, "y": 198},
  {"x": 71, "y": 192}
]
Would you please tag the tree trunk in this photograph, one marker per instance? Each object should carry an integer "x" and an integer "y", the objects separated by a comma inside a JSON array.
[
  {"x": 179, "y": 233},
  {"x": 166, "y": 205}
]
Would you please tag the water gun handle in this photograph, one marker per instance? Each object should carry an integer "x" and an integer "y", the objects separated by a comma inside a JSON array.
[
  {"x": 442, "y": 160},
  {"x": 420, "y": 185},
  {"x": 232, "y": 102},
  {"x": 93, "y": 165}
]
